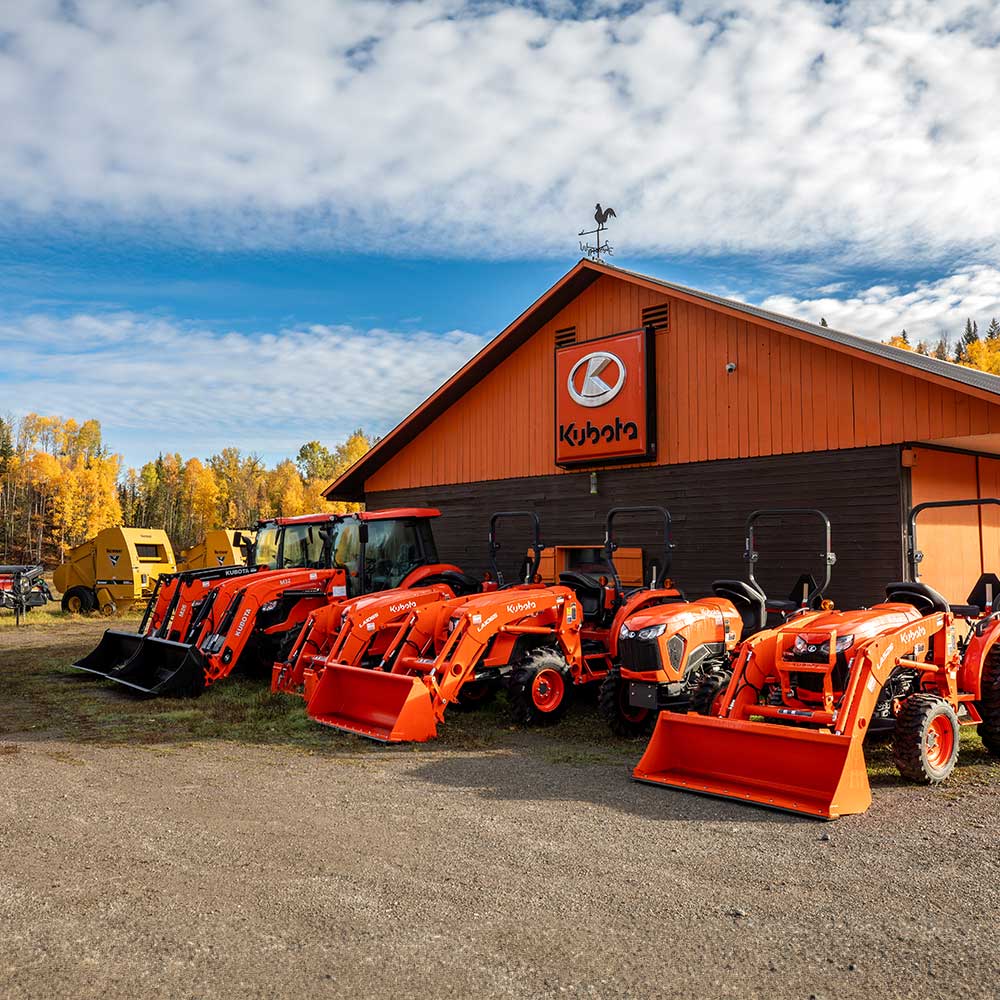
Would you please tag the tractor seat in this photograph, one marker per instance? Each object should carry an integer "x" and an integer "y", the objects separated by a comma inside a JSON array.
[
  {"x": 985, "y": 594},
  {"x": 750, "y": 603},
  {"x": 587, "y": 589},
  {"x": 925, "y": 599}
]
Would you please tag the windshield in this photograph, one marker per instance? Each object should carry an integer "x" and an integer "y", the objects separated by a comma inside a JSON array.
[
  {"x": 266, "y": 547},
  {"x": 394, "y": 549},
  {"x": 305, "y": 546}
]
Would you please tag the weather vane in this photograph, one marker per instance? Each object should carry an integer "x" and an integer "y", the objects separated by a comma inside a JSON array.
[{"x": 601, "y": 217}]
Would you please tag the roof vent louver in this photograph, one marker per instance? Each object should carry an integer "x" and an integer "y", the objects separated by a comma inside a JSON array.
[
  {"x": 656, "y": 316},
  {"x": 565, "y": 336}
]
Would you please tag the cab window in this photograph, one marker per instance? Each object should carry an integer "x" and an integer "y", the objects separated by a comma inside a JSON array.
[
  {"x": 394, "y": 549},
  {"x": 266, "y": 547},
  {"x": 304, "y": 545}
]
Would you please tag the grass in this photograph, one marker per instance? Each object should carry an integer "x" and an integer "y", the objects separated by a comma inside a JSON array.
[{"x": 42, "y": 696}]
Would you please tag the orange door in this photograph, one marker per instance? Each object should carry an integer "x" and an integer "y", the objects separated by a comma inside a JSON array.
[{"x": 949, "y": 538}]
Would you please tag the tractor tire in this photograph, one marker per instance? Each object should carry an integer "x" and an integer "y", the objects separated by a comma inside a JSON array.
[
  {"x": 475, "y": 695},
  {"x": 706, "y": 699},
  {"x": 622, "y": 718},
  {"x": 925, "y": 741},
  {"x": 539, "y": 691},
  {"x": 989, "y": 705},
  {"x": 79, "y": 601}
]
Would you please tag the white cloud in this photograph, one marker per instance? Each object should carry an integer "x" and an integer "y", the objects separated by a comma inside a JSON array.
[
  {"x": 159, "y": 385},
  {"x": 927, "y": 310},
  {"x": 866, "y": 127}
]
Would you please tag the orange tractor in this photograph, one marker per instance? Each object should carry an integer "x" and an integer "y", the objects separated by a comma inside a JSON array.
[
  {"x": 358, "y": 632},
  {"x": 787, "y": 728},
  {"x": 540, "y": 643},
  {"x": 201, "y": 624},
  {"x": 664, "y": 651}
]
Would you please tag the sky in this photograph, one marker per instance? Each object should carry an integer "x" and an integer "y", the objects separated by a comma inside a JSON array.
[{"x": 263, "y": 222}]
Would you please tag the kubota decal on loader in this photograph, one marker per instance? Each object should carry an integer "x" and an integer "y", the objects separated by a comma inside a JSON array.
[{"x": 787, "y": 730}]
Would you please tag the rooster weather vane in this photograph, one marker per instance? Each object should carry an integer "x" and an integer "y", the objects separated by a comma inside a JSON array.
[{"x": 594, "y": 251}]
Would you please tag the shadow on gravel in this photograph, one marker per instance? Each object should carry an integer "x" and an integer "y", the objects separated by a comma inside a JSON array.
[{"x": 519, "y": 775}]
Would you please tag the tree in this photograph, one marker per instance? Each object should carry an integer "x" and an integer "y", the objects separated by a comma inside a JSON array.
[
  {"x": 993, "y": 331},
  {"x": 900, "y": 341},
  {"x": 941, "y": 351},
  {"x": 984, "y": 355},
  {"x": 969, "y": 337},
  {"x": 315, "y": 461},
  {"x": 822, "y": 321},
  {"x": 922, "y": 347}
]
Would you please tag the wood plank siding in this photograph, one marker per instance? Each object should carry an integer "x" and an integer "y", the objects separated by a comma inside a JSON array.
[
  {"x": 859, "y": 489},
  {"x": 788, "y": 395}
]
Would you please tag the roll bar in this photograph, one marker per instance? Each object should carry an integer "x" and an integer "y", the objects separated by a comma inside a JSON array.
[
  {"x": 610, "y": 545},
  {"x": 751, "y": 555},
  {"x": 914, "y": 556},
  {"x": 536, "y": 542}
]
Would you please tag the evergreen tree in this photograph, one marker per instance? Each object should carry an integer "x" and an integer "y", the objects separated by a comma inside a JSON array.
[
  {"x": 941, "y": 350},
  {"x": 922, "y": 347},
  {"x": 969, "y": 337},
  {"x": 994, "y": 329},
  {"x": 822, "y": 321},
  {"x": 903, "y": 337}
]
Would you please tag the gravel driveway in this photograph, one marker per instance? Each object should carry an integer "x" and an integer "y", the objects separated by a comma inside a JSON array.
[{"x": 220, "y": 870}]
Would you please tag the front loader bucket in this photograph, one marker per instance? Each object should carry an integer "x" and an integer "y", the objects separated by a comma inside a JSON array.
[
  {"x": 156, "y": 667},
  {"x": 391, "y": 708},
  {"x": 782, "y": 767},
  {"x": 113, "y": 651}
]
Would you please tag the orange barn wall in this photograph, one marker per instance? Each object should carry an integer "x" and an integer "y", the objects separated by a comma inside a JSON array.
[
  {"x": 958, "y": 543},
  {"x": 787, "y": 395}
]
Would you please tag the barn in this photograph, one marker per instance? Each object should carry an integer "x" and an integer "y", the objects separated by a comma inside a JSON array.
[{"x": 618, "y": 389}]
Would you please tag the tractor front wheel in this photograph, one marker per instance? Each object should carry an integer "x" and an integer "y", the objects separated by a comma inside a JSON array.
[
  {"x": 925, "y": 741},
  {"x": 623, "y": 718},
  {"x": 989, "y": 706},
  {"x": 79, "y": 601},
  {"x": 706, "y": 699},
  {"x": 539, "y": 690}
]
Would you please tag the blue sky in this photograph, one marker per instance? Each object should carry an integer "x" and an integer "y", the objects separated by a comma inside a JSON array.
[{"x": 257, "y": 224}]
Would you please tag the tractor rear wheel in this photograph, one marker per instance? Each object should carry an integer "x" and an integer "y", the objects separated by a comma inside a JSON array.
[
  {"x": 623, "y": 719},
  {"x": 925, "y": 742},
  {"x": 989, "y": 705},
  {"x": 79, "y": 601},
  {"x": 706, "y": 699},
  {"x": 540, "y": 688}
]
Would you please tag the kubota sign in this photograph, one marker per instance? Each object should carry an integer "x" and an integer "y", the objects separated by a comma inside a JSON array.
[{"x": 603, "y": 400}]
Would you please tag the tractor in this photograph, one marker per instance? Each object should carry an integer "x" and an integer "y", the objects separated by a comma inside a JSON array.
[
  {"x": 664, "y": 651},
  {"x": 202, "y": 624},
  {"x": 358, "y": 632},
  {"x": 787, "y": 729}
]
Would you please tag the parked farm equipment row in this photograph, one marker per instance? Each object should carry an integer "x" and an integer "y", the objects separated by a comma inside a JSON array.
[
  {"x": 23, "y": 588},
  {"x": 760, "y": 700}
]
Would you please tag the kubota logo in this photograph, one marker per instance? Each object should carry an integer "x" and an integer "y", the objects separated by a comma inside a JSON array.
[
  {"x": 404, "y": 606},
  {"x": 513, "y": 609},
  {"x": 243, "y": 621},
  {"x": 911, "y": 635},
  {"x": 596, "y": 388}
]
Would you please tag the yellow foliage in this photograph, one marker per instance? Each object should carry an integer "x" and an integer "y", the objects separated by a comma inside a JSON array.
[
  {"x": 984, "y": 355},
  {"x": 899, "y": 342}
]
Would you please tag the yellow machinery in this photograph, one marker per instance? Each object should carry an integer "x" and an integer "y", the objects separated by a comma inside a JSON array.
[
  {"x": 220, "y": 547},
  {"x": 114, "y": 570}
]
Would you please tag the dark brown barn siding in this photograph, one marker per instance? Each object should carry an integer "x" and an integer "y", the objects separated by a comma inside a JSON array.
[{"x": 859, "y": 489}]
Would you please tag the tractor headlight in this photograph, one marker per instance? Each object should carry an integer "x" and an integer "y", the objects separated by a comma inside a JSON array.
[
  {"x": 624, "y": 633},
  {"x": 844, "y": 642},
  {"x": 802, "y": 645},
  {"x": 270, "y": 606},
  {"x": 653, "y": 632}
]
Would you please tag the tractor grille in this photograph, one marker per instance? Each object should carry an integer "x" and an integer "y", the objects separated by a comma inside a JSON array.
[{"x": 639, "y": 654}]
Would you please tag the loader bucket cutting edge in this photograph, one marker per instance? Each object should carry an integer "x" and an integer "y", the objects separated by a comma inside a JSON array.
[
  {"x": 780, "y": 767},
  {"x": 155, "y": 667},
  {"x": 390, "y": 708}
]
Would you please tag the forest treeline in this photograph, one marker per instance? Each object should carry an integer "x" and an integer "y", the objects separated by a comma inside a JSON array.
[
  {"x": 60, "y": 484},
  {"x": 969, "y": 348}
]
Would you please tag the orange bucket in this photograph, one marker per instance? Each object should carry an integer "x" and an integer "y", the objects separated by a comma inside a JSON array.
[
  {"x": 391, "y": 708},
  {"x": 782, "y": 767}
]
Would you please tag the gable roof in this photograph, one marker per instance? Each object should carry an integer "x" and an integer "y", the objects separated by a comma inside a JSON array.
[{"x": 350, "y": 485}]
